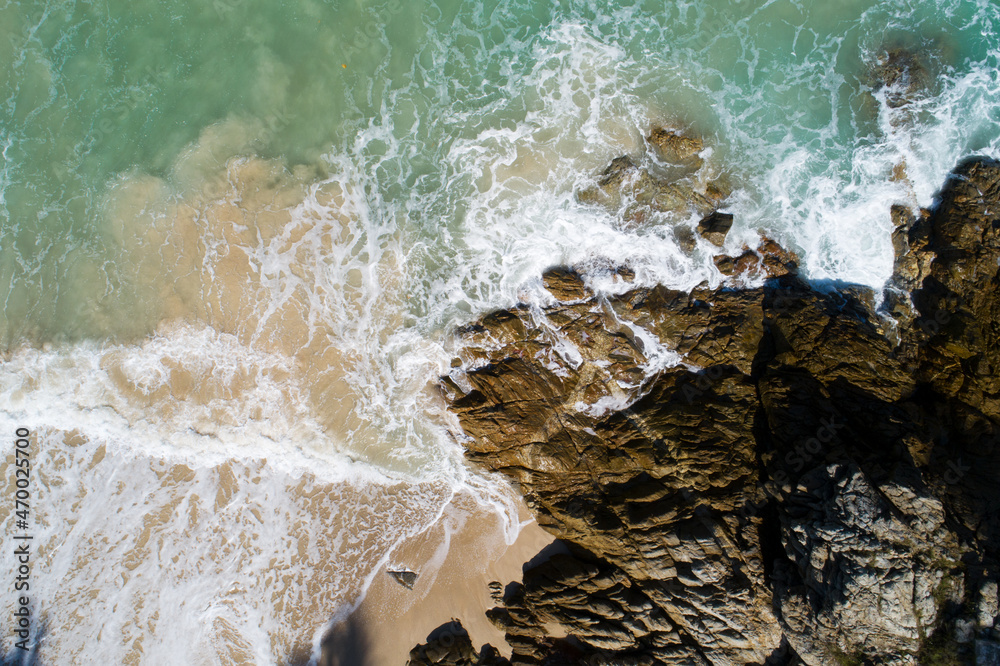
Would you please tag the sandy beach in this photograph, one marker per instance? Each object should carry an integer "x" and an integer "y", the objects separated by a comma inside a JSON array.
[{"x": 456, "y": 560}]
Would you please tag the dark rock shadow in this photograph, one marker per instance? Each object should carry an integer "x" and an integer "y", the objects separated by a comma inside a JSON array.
[
  {"x": 557, "y": 547},
  {"x": 448, "y": 633},
  {"x": 783, "y": 655},
  {"x": 346, "y": 644}
]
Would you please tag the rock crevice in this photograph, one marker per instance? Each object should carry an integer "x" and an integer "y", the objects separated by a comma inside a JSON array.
[{"x": 772, "y": 475}]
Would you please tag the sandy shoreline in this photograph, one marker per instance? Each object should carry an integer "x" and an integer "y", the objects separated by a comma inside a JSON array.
[{"x": 456, "y": 560}]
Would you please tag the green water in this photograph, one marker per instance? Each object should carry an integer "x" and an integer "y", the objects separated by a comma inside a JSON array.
[
  {"x": 95, "y": 90},
  {"x": 98, "y": 89}
]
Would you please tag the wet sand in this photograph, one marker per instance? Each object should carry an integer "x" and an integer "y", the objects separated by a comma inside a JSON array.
[{"x": 456, "y": 560}]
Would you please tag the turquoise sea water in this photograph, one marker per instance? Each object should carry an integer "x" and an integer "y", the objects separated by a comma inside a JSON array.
[{"x": 235, "y": 235}]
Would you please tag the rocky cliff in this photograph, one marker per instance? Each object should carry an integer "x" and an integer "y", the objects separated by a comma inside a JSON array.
[{"x": 796, "y": 473}]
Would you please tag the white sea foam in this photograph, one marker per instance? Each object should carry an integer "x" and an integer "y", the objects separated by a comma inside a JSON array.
[
  {"x": 225, "y": 539},
  {"x": 236, "y": 478}
]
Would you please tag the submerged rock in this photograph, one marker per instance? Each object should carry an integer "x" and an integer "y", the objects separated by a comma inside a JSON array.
[
  {"x": 673, "y": 147},
  {"x": 756, "y": 476},
  {"x": 637, "y": 194},
  {"x": 624, "y": 184},
  {"x": 903, "y": 73}
]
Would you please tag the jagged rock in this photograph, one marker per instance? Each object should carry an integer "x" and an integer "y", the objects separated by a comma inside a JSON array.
[
  {"x": 707, "y": 327},
  {"x": 913, "y": 258},
  {"x": 626, "y": 187},
  {"x": 615, "y": 502},
  {"x": 741, "y": 265},
  {"x": 404, "y": 577},
  {"x": 618, "y": 172},
  {"x": 450, "y": 645},
  {"x": 910, "y": 240},
  {"x": 673, "y": 147},
  {"x": 958, "y": 339},
  {"x": 988, "y": 608},
  {"x": 801, "y": 481},
  {"x": 565, "y": 284},
  {"x": 959, "y": 302},
  {"x": 715, "y": 227},
  {"x": 768, "y": 260},
  {"x": 776, "y": 260}
]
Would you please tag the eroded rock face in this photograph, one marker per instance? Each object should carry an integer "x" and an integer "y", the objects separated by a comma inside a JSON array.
[
  {"x": 768, "y": 260},
  {"x": 627, "y": 186},
  {"x": 674, "y": 147},
  {"x": 679, "y": 190},
  {"x": 757, "y": 476}
]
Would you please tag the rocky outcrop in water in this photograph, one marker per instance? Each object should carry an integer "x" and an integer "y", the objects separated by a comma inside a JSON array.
[
  {"x": 675, "y": 148},
  {"x": 788, "y": 474},
  {"x": 675, "y": 185}
]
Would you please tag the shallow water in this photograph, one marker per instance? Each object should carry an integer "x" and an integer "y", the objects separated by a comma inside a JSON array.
[{"x": 235, "y": 237}]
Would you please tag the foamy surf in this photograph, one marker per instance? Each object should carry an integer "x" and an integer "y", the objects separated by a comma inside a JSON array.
[
  {"x": 276, "y": 368},
  {"x": 224, "y": 563},
  {"x": 213, "y": 526}
]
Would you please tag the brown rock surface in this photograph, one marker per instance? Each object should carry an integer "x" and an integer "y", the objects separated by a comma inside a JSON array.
[
  {"x": 715, "y": 227},
  {"x": 768, "y": 260},
  {"x": 670, "y": 146},
  {"x": 638, "y": 195},
  {"x": 779, "y": 475}
]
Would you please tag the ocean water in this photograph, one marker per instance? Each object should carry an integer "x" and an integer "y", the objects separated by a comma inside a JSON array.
[{"x": 236, "y": 237}]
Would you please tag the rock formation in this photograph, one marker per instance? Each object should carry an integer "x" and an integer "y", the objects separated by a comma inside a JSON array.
[
  {"x": 902, "y": 73},
  {"x": 673, "y": 147},
  {"x": 680, "y": 188},
  {"x": 450, "y": 645},
  {"x": 774, "y": 475}
]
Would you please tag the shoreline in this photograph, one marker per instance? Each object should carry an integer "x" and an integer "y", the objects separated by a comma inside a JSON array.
[{"x": 455, "y": 559}]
